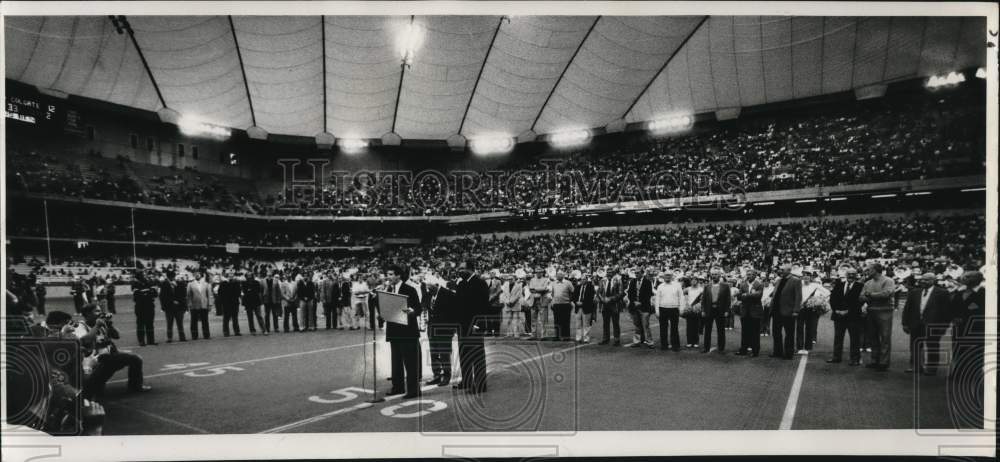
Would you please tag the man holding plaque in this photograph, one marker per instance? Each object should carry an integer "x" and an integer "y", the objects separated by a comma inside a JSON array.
[{"x": 404, "y": 339}]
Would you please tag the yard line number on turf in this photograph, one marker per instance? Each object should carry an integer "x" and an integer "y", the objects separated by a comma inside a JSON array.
[
  {"x": 345, "y": 395},
  {"x": 206, "y": 372}
]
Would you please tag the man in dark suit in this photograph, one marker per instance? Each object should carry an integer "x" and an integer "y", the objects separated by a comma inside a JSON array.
[
  {"x": 252, "y": 299},
  {"x": 404, "y": 339},
  {"x": 785, "y": 307},
  {"x": 925, "y": 315},
  {"x": 442, "y": 325},
  {"x": 965, "y": 375},
  {"x": 144, "y": 294},
  {"x": 751, "y": 313},
  {"x": 610, "y": 294},
  {"x": 472, "y": 302},
  {"x": 179, "y": 308},
  {"x": 229, "y": 301},
  {"x": 271, "y": 289},
  {"x": 715, "y": 303},
  {"x": 846, "y": 305},
  {"x": 307, "y": 292}
]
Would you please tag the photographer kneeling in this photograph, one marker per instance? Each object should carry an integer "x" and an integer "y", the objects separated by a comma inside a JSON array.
[{"x": 103, "y": 358}]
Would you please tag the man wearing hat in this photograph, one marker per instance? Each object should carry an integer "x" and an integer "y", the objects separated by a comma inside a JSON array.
[
  {"x": 925, "y": 315},
  {"x": 877, "y": 296},
  {"x": 846, "y": 305}
]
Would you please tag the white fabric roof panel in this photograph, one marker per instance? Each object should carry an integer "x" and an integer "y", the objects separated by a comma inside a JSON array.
[
  {"x": 283, "y": 59},
  {"x": 195, "y": 63},
  {"x": 438, "y": 85},
  {"x": 725, "y": 62}
]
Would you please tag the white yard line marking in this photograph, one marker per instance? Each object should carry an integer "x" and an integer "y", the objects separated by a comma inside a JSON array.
[
  {"x": 249, "y": 361},
  {"x": 355, "y": 407},
  {"x": 793, "y": 396},
  {"x": 163, "y": 419}
]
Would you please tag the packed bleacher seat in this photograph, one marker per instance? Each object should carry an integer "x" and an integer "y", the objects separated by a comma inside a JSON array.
[{"x": 907, "y": 138}]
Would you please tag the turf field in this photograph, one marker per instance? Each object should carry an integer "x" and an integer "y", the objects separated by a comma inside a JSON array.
[{"x": 320, "y": 381}]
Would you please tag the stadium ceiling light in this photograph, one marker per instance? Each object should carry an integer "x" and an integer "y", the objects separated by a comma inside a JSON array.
[
  {"x": 981, "y": 73},
  {"x": 192, "y": 126},
  {"x": 883, "y": 196},
  {"x": 973, "y": 189},
  {"x": 764, "y": 203},
  {"x": 569, "y": 138},
  {"x": 805, "y": 201},
  {"x": 948, "y": 80},
  {"x": 921, "y": 193},
  {"x": 674, "y": 209},
  {"x": 491, "y": 144},
  {"x": 352, "y": 145},
  {"x": 410, "y": 39},
  {"x": 620, "y": 213},
  {"x": 835, "y": 199},
  {"x": 643, "y": 211},
  {"x": 671, "y": 124}
]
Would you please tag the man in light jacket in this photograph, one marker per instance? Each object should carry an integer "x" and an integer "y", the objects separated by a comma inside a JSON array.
[
  {"x": 669, "y": 297},
  {"x": 199, "y": 301}
]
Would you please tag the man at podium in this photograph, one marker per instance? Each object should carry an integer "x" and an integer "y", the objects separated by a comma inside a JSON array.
[{"x": 404, "y": 339}]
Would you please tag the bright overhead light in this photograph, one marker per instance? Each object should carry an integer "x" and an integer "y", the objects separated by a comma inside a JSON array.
[
  {"x": 973, "y": 189},
  {"x": 763, "y": 203},
  {"x": 947, "y": 80},
  {"x": 491, "y": 144},
  {"x": 805, "y": 201},
  {"x": 981, "y": 73},
  {"x": 921, "y": 193},
  {"x": 410, "y": 39},
  {"x": 352, "y": 144},
  {"x": 569, "y": 138},
  {"x": 193, "y": 126},
  {"x": 883, "y": 196},
  {"x": 672, "y": 124}
]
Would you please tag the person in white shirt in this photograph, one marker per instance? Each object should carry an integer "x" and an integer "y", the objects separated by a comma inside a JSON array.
[
  {"x": 511, "y": 292},
  {"x": 766, "y": 297},
  {"x": 669, "y": 300},
  {"x": 692, "y": 311},
  {"x": 359, "y": 299}
]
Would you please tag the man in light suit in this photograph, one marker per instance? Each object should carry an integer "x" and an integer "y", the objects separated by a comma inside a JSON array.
[
  {"x": 404, "y": 339},
  {"x": 199, "y": 301},
  {"x": 288, "y": 287},
  {"x": 715, "y": 304},
  {"x": 785, "y": 307},
  {"x": 925, "y": 316}
]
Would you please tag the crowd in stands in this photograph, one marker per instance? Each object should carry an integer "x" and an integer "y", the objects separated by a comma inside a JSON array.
[
  {"x": 928, "y": 136},
  {"x": 244, "y": 237}
]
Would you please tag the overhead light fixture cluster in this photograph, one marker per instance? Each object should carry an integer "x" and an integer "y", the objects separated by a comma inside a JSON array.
[
  {"x": 673, "y": 124},
  {"x": 193, "y": 126},
  {"x": 410, "y": 39},
  {"x": 491, "y": 144},
  {"x": 945, "y": 80},
  {"x": 569, "y": 138},
  {"x": 352, "y": 145}
]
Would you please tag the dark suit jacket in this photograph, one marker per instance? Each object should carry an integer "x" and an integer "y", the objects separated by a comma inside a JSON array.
[
  {"x": 969, "y": 311},
  {"x": 936, "y": 311},
  {"x": 645, "y": 295},
  {"x": 750, "y": 294},
  {"x": 252, "y": 298},
  {"x": 588, "y": 291},
  {"x": 345, "y": 293},
  {"x": 789, "y": 300},
  {"x": 306, "y": 290},
  {"x": 631, "y": 290},
  {"x": 229, "y": 294},
  {"x": 613, "y": 290},
  {"x": 851, "y": 302},
  {"x": 441, "y": 307},
  {"x": 410, "y": 331},
  {"x": 180, "y": 295},
  {"x": 725, "y": 300},
  {"x": 472, "y": 303}
]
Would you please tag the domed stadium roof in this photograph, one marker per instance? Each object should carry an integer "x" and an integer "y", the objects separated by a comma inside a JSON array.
[{"x": 472, "y": 75}]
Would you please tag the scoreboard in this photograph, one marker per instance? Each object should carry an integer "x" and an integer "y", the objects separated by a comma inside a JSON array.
[
  {"x": 42, "y": 111},
  {"x": 31, "y": 110}
]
